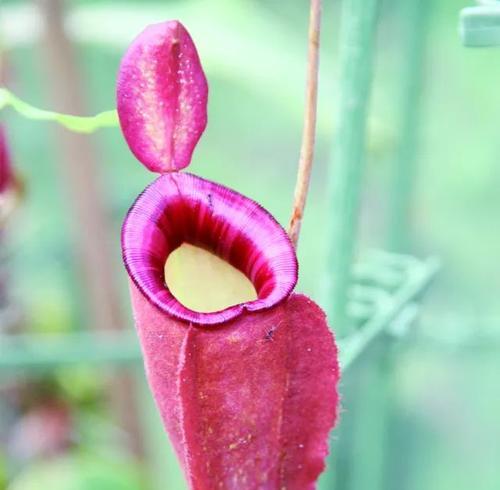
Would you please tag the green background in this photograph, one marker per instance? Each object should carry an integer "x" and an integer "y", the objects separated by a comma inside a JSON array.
[{"x": 444, "y": 391}]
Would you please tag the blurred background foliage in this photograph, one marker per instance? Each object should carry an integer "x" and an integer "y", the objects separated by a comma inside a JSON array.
[{"x": 445, "y": 395}]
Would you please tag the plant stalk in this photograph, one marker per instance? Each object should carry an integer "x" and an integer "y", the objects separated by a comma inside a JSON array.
[
  {"x": 309, "y": 132},
  {"x": 357, "y": 43}
]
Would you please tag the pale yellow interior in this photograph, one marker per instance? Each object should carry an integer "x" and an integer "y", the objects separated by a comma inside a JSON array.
[{"x": 205, "y": 283}]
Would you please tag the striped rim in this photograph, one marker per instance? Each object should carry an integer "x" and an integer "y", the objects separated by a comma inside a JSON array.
[{"x": 181, "y": 207}]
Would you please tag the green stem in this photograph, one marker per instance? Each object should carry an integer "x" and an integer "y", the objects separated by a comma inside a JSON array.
[
  {"x": 77, "y": 124},
  {"x": 36, "y": 353},
  {"x": 359, "y": 19},
  {"x": 367, "y": 461},
  {"x": 401, "y": 192}
]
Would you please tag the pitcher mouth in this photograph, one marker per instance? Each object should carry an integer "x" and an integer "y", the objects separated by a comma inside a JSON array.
[{"x": 181, "y": 208}]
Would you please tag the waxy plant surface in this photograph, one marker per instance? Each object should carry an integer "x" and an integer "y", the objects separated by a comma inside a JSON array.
[
  {"x": 248, "y": 404},
  {"x": 247, "y": 394}
]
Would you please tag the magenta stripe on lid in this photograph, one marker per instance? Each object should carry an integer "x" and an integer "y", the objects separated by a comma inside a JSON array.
[{"x": 181, "y": 207}]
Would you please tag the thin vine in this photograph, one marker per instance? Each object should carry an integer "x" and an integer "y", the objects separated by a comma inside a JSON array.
[
  {"x": 309, "y": 131},
  {"x": 77, "y": 124}
]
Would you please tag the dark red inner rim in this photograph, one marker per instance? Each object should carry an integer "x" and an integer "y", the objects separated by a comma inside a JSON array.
[{"x": 186, "y": 221}]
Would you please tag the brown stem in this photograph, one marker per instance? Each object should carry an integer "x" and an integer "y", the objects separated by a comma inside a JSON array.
[
  {"x": 309, "y": 131},
  {"x": 79, "y": 174}
]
